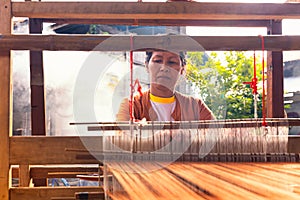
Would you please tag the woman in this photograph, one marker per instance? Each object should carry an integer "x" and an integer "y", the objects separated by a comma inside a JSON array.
[{"x": 161, "y": 102}]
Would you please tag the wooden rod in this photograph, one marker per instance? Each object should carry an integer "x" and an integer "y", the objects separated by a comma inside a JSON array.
[
  {"x": 195, "y": 124},
  {"x": 155, "y": 10},
  {"x": 58, "y": 171},
  {"x": 6, "y": 102},
  {"x": 122, "y": 43},
  {"x": 163, "y": 22}
]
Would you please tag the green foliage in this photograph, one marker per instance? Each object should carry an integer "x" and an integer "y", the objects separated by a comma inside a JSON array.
[
  {"x": 93, "y": 29},
  {"x": 221, "y": 84}
]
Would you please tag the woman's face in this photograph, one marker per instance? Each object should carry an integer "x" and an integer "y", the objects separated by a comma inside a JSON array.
[{"x": 164, "y": 69}]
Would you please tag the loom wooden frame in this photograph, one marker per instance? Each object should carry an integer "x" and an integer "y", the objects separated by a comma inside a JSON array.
[{"x": 23, "y": 150}]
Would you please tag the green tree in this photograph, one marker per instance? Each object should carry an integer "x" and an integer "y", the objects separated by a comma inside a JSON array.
[{"x": 221, "y": 84}]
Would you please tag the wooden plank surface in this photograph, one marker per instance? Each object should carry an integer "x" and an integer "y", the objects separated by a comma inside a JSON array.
[
  {"x": 54, "y": 150},
  {"x": 122, "y": 43},
  {"x": 49, "y": 193},
  {"x": 155, "y": 10},
  {"x": 6, "y": 101}
]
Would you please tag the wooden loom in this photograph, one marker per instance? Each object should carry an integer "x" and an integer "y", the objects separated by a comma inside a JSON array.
[
  {"x": 168, "y": 160},
  {"x": 26, "y": 151}
]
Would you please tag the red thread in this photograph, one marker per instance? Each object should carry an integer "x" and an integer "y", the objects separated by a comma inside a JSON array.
[
  {"x": 139, "y": 88},
  {"x": 253, "y": 82},
  {"x": 254, "y": 79}
]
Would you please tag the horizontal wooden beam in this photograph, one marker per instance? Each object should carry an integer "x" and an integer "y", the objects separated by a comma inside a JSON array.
[
  {"x": 39, "y": 150},
  {"x": 155, "y": 10},
  {"x": 70, "y": 150},
  {"x": 123, "y": 43},
  {"x": 49, "y": 193},
  {"x": 57, "y": 171},
  {"x": 164, "y": 22},
  {"x": 61, "y": 172}
]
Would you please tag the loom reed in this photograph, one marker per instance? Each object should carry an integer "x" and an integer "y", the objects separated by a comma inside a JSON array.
[{"x": 222, "y": 141}]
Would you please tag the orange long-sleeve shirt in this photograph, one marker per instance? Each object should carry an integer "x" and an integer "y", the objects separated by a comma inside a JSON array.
[{"x": 187, "y": 109}]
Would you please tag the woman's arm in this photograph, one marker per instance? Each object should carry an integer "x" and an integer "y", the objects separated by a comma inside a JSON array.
[{"x": 123, "y": 113}]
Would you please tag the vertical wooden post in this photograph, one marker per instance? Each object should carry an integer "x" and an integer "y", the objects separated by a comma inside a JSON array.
[
  {"x": 5, "y": 102},
  {"x": 38, "y": 119},
  {"x": 275, "y": 106},
  {"x": 24, "y": 175}
]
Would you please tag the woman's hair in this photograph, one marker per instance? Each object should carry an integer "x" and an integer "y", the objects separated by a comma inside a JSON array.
[{"x": 181, "y": 55}]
